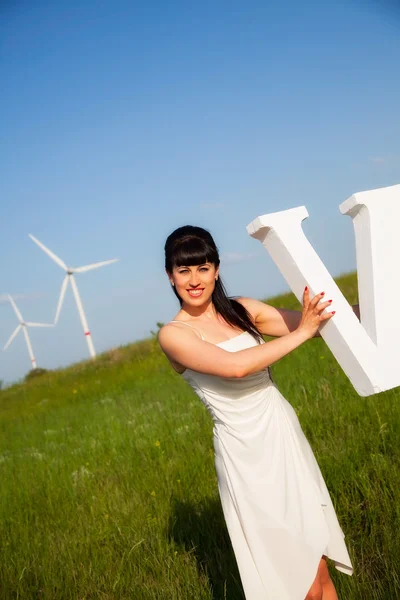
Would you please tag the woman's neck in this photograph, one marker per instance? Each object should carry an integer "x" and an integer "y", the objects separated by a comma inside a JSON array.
[{"x": 201, "y": 313}]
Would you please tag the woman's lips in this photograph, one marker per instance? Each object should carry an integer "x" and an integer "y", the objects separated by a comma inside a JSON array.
[{"x": 195, "y": 293}]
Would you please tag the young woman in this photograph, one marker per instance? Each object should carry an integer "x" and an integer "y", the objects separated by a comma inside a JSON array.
[{"x": 277, "y": 508}]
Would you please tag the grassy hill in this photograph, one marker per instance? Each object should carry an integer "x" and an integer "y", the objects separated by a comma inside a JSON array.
[{"x": 108, "y": 489}]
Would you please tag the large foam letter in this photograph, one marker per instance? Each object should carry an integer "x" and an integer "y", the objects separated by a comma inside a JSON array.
[{"x": 366, "y": 351}]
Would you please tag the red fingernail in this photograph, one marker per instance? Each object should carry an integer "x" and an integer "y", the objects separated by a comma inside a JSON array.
[
  {"x": 333, "y": 312},
  {"x": 306, "y": 288},
  {"x": 329, "y": 300},
  {"x": 322, "y": 293}
]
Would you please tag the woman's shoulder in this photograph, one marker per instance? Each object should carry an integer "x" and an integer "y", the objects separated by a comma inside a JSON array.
[
  {"x": 166, "y": 328},
  {"x": 242, "y": 299},
  {"x": 253, "y": 306},
  {"x": 167, "y": 332},
  {"x": 164, "y": 335},
  {"x": 246, "y": 301}
]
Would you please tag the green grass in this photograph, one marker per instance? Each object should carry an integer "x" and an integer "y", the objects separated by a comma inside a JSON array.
[{"x": 108, "y": 489}]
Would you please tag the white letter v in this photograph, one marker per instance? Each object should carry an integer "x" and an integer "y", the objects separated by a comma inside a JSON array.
[{"x": 367, "y": 351}]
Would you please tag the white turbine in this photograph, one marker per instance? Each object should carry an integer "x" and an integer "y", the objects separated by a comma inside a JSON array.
[
  {"x": 69, "y": 277},
  {"x": 24, "y": 325}
]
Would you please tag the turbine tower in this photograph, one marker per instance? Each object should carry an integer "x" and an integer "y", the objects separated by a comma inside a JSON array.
[
  {"x": 69, "y": 278},
  {"x": 24, "y": 325}
]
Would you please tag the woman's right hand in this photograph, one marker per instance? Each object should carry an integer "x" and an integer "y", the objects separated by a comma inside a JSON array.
[{"x": 312, "y": 317}]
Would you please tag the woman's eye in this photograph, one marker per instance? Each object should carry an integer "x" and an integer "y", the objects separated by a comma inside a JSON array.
[{"x": 184, "y": 271}]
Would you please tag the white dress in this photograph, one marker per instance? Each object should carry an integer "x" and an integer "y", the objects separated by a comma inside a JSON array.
[{"x": 276, "y": 505}]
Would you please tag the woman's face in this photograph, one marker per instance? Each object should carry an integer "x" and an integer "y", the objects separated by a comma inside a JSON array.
[{"x": 194, "y": 285}]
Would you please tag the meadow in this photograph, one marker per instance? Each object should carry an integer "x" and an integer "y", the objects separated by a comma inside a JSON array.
[{"x": 108, "y": 489}]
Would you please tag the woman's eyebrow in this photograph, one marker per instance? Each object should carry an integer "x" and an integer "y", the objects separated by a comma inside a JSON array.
[{"x": 187, "y": 266}]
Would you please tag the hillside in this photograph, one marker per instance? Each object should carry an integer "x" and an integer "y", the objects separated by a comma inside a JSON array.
[{"x": 109, "y": 490}]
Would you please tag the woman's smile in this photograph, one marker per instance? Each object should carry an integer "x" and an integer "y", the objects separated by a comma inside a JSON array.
[{"x": 195, "y": 293}]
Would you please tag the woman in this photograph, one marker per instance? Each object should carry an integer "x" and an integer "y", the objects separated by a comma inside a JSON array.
[{"x": 277, "y": 508}]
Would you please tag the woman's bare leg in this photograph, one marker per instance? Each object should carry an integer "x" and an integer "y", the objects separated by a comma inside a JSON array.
[
  {"x": 322, "y": 587},
  {"x": 328, "y": 589},
  {"x": 316, "y": 590}
]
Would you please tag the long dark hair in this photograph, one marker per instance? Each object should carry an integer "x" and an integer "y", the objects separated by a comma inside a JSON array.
[{"x": 190, "y": 245}]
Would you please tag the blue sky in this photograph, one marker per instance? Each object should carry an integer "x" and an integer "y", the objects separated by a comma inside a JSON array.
[{"x": 122, "y": 121}]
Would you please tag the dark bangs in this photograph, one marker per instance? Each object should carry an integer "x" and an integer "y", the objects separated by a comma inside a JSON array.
[{"x": 192, "y": 251}]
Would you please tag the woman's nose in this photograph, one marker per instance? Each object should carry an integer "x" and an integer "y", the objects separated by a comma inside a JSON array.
[{"x": 194, "y": 281}]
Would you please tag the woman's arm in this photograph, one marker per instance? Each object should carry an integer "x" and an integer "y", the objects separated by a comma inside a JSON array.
[
  {"x": 188, "y": 350},
  {"x": 277, "y": 322}
]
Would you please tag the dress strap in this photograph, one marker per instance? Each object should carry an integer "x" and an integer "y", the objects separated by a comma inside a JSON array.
[{"x": 184, "y": 323}]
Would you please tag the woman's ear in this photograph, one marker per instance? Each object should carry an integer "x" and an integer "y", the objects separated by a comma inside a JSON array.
[{"x": 169, "y": 277}]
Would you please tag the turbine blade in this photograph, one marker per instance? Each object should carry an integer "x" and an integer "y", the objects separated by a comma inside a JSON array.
[
  {"x": 64, "y": 286},
  {"x": 16, "y": 331},
  {"x": 50, "y": 253},
  {"x": 40, "y": 324},
  {"x": 20, "y": 319},
  {"x": 94, "y": 266}
]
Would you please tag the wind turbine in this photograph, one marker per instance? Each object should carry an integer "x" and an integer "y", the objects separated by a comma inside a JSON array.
[
  {"x": 24, "y": 325},
  {"x": 69, "y": 277}
]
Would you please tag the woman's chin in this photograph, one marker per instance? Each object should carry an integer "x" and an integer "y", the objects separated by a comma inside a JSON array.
[{"x": 192, "y": 302}]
